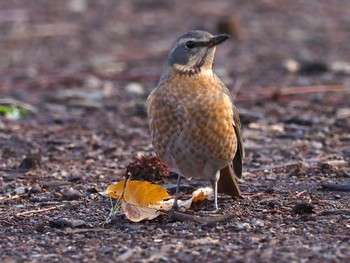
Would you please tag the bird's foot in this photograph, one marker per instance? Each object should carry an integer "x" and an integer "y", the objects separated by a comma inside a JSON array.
[
  {"x": 212, "y": 210},
  {"x": 175, "y": 207}
]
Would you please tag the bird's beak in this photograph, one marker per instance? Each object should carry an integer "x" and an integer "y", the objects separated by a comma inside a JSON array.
[{"x": 218, "y": 39}]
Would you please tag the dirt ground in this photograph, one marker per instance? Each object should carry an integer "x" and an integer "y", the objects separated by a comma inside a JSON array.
[{"x": 83, "y": 70}]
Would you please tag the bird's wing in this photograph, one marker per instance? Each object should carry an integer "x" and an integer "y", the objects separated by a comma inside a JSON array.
[
  {"x": 237, "y": 161},
  {"x": 240, "y": 154}
]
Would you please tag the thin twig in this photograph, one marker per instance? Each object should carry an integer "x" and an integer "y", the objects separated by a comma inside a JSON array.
[
  {"x": 280, "y": 210},
  {"x": 47, "y": 81},
  {"x": 85, "y": 230},
  {"x": 250, "y": 196},
  {"x": 277, "y": 166},
  {"x": 301, "y": 193},
  {"x": 341, "y": 236},
  {"x": 236, "y": 87},
  {"x": 20, "y": 104},
  {"x": 311, "y": 89},
  {"x": 336, "y": 187},
  {"x": 30, "y": 212},
  {"x": 116, "y": 208},
  {"x": 12, "y": 197},
  {"x": 268, "y": 93},
  {"x": 335, "y": 212},
  {"x": 177, "y": 216}
]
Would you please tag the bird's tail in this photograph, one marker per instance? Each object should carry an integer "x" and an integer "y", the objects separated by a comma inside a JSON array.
[{"x": 227, "y": 183}]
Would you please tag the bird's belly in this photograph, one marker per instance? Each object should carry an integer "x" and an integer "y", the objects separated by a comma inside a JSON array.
[{"x": 195, "y": 151}]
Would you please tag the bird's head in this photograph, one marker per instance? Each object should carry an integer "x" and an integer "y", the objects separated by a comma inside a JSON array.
[{"x": 194, "y": 51}]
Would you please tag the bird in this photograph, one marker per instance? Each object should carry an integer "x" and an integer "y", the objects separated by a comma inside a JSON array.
[{"x": 195, "y": 127}]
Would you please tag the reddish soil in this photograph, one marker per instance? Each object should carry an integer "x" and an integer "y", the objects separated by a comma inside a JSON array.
[{"x": 86, "y": 68}]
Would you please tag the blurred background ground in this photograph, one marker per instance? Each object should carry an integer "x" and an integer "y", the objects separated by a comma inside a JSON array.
[{"x": 84, "y": 70}]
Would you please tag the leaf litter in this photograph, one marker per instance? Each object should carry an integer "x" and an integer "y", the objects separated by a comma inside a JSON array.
[{"x": 142, "y": 200}]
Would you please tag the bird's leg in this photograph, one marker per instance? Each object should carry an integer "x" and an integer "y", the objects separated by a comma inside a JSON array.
[
  {"x": 216, "y": 207},
  {"x": 214, "y": 183},
  {"x": 175, "y": 206}
]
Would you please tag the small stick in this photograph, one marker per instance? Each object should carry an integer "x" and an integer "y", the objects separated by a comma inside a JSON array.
[
  {"x": 266, "y": 93},
  {"x": 30, "y": 212},
  {"x": 85, "y": 230},
  {"x": 311, "y": 89},
  {"x": 9, "y": 101},
  {"x": 341, "y": 236},
  {"x": 335, "y": 212},
  {"x": 336, "y": 187},
  {"x": 301, "y": 193},
  {"x": 249, "y": 196},
  {"x": 236, "y": 87},
  {"x": 277, "y": 166},
  {"x": 12, "y": 197},
  {"x": 281, "y": 210},
  {"x": 177, "y": 216}
]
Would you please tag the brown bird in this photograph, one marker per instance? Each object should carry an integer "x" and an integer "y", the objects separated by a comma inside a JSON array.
[{"x": 195, "y": 127}]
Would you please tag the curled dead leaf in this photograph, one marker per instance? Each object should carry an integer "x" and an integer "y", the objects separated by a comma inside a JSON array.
[
  {"x": 137, "y": 213},
  {"x": 142, "y": 200},
  {"x": 202, "y": 194},
  {"x": 198, "y": 195}
]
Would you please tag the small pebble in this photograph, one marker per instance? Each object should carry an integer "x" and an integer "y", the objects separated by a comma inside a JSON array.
[
  {"x": 35, "y": 188},
  {"x": 346, "y": 153},
  {"x": 74, "y": 178},
  {"x": 66, "y": 222},
  {"x": 71, "y": 194},
  {"x": 73, "y": 223},
  {"x": 274, "y": 204},
  {"x": 77, "y": 6},
  {"x": 303, "y": 208},
  {"x": 20, "y": 190},
  {"x": 135, "y": 88}
]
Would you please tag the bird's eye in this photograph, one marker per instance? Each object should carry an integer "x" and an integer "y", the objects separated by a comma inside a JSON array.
[{"x": 190, "y": 44}]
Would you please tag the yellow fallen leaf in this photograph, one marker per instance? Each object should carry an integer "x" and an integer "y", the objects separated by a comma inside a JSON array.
[
  {"x": 141, "y": 193},
  {"x": 137, "y": 198}
]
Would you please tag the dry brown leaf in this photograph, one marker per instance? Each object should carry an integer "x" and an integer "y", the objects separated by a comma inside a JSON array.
[
  {"x": 202, "y": 194},
  {"x": 137, "y": 213},
  {"x": 198, "y": 195}
]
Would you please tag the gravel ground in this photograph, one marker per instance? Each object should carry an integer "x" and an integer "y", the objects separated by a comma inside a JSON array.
[{"x": 84, "y": 70}]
